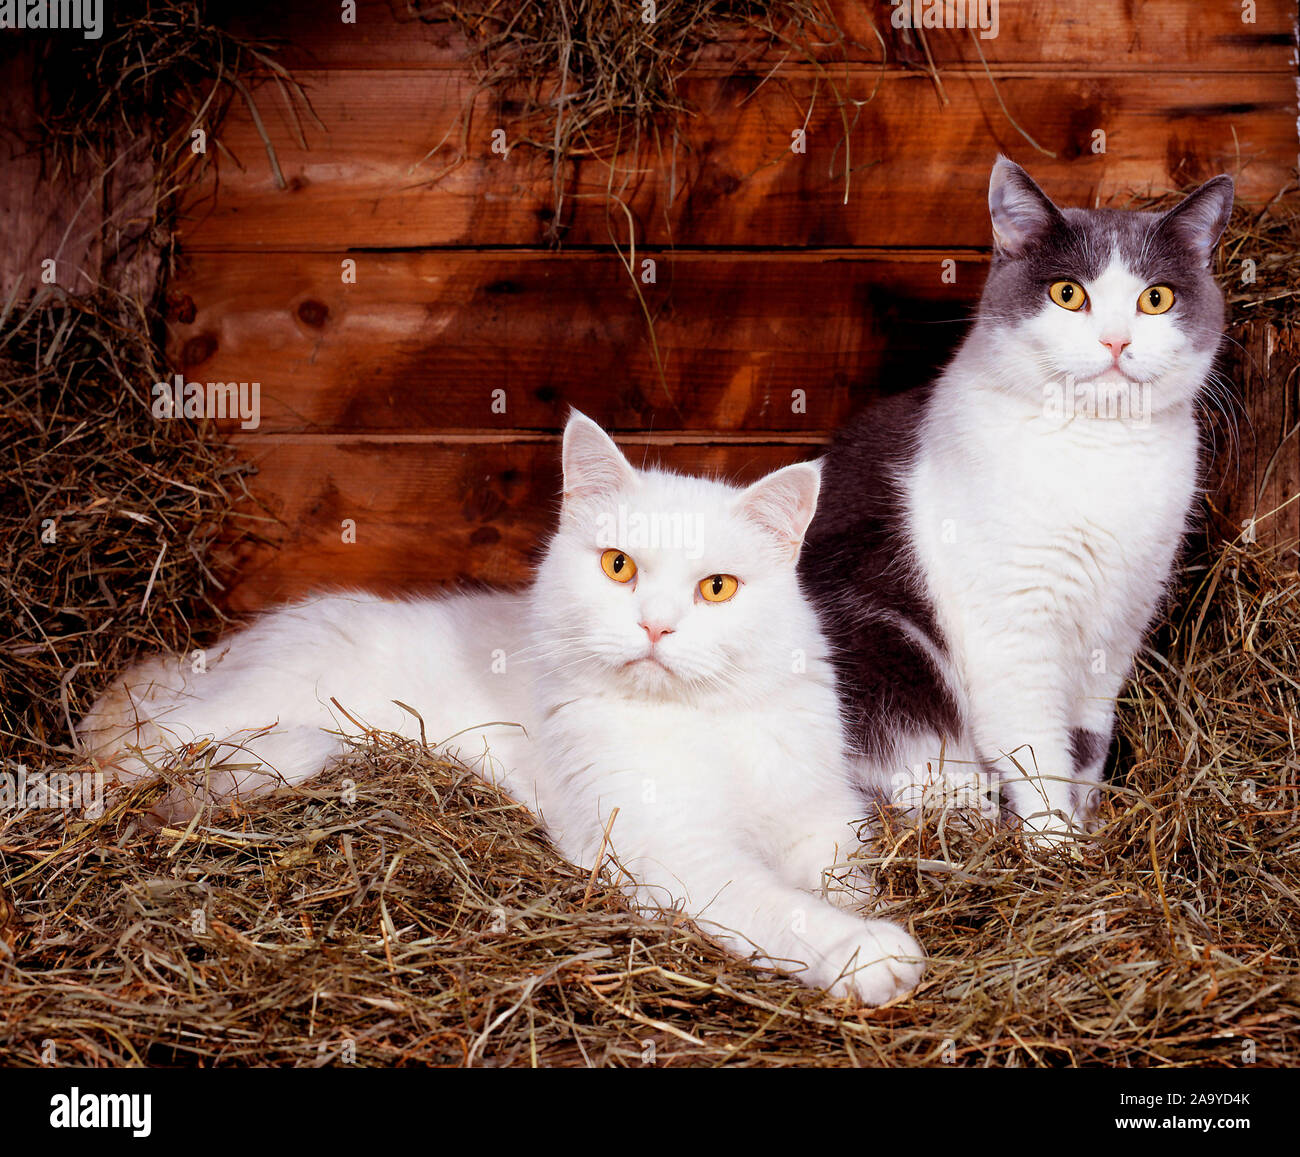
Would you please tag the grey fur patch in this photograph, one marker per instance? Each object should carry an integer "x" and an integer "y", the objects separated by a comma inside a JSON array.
[
  {"x": 1087, "y": 748},
  {"x": 855, "y": 567}
]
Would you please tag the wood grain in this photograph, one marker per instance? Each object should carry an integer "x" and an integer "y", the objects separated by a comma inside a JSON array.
[
  {"x": 95, "y": 226},
  {"x": 424, "y": 341},
  {"x": 1104, "y": 35},
  {"x": 377, "y": 396},
  {"x": 429, "y": 512},
  {"x": 1262, "y": 484},
  {"x": 40, "y": 221},
  {"x": 920, "y": 168},
  {"x": 443, "y": 509}
]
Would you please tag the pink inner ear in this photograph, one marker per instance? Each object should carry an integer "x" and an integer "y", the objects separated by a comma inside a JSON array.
[
  {"x": 593, "y": 465},
  {"x": 1018, "y": 209},
  {"x": 589, "y": 478},
  {"x": 783, "y": 503}
]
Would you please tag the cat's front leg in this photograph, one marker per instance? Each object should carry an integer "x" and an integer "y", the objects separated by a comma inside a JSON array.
[
  {"x": 752, "y": 912},
  {"x": 1089, "y": 745},
  {"x": 818, "y": 857},
  {"x": 1093, "y": 727},
  {"x": 1020, "y": 724}
]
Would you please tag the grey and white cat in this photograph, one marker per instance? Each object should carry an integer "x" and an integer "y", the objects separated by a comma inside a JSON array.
[
  {"x": 989, "y": 552},
  {"x": 669, "y": 696}
]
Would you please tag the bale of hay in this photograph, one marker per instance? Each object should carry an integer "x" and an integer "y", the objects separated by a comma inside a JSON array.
[{"x": 108, "y": 515}]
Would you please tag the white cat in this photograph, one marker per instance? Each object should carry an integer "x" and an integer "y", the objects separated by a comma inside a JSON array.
[{"x": 662, "y": 693}]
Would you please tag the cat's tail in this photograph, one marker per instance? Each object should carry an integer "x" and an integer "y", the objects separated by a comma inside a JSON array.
[
  {"x": 123, "y": 718},
  {"x": 143, "y": 727},
  {"x": 123, "y": 735}
]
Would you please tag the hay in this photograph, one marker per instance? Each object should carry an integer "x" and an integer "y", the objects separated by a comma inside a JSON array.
[
  {"x": 1269, "y": 238},
  {"x": 107, "y": 515},
  {"x": 420, "y": 918},
  {"x": 596, "y": 68},
  {"x": 161, "y": 69},
  {"x": 581, "y": 79}
]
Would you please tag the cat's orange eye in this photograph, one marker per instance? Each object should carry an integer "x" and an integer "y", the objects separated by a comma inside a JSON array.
[
  {"x": 718, "y": 588},
  {"x": 618, "y": 566},
  {"x": 1068, "y": 295},
  {"x": 1156, "y": 299}
]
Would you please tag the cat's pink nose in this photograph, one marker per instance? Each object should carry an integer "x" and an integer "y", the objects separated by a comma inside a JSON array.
[
  {"x": 655, "y": 632},
  {"x": 1116, "y": 345}
]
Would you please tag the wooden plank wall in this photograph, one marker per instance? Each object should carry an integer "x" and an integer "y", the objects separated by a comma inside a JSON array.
[
  {"x": 377, "y": 397},
  {"x": 92, "y": 225},
  {"x": 1258, "y": 487}
]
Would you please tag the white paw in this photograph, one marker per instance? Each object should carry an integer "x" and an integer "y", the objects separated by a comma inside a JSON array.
[{"x": 874, "y": 965}]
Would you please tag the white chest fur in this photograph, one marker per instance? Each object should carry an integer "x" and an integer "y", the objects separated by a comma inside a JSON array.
[
  {"x": 1045, "y": 544},
  {"x": 1083, "y": 512}
]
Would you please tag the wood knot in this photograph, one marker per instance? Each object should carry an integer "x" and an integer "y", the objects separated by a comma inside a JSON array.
[
  {"x": 198, "y": 349},
  {"x": 313, "y": 313},
  {"x": 182, "y": 308}
]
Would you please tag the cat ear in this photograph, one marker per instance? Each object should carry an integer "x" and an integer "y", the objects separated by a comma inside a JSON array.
[
  {"x": 593, "y": 465},
  {"x": 1202, "y": 216},
  {"x": 1021, "y": 212},
  {"x": 783, "y": 503}
]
